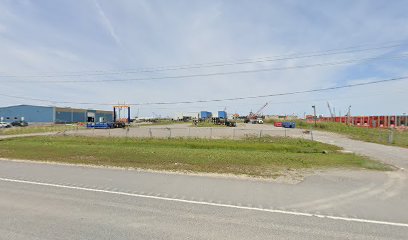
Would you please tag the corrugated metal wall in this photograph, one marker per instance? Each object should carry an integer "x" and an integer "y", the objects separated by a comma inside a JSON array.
[
  {"x": 370, "y": 121},
  {"x": 42, "y": 114},
  {"x": 107, "y": 115},
  {"x": 30, "y": 113},
  {"x": 70, "y": 115}
]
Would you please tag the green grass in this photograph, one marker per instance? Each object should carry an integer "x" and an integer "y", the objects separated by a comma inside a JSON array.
[
  {"x": 265, "y": 157},
  {"x": 38, "y": 129},
  {"x": 374, "y": 135}
]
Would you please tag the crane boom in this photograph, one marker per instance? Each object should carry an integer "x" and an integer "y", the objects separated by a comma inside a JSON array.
[
  {"x": 256, "y": 114},
  {"x": 260, "y": 110},
  {"x": 330, "y": 110}
]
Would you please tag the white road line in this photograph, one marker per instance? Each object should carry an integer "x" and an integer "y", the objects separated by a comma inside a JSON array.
[
  {"x": 208, "y": 203},
  {"x": 335, "y": 198}
]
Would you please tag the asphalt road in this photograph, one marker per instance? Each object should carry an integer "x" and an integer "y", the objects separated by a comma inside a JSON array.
[{"x": 45, "y": 201}]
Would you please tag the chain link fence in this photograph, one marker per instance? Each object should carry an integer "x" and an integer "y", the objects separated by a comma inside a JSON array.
[
  {"x": 191, "y": 132},
  {"x": 389, "y": 137},
  {"x": 39, "y": 129}
]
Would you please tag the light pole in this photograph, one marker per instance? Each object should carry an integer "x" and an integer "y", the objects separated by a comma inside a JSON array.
[{"x": 314, "y": 116}]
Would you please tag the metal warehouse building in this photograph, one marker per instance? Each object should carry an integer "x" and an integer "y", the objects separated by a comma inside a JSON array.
[{"x": 43, "y": 114}]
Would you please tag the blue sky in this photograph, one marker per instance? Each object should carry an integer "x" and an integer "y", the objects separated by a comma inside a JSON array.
[{"x": 59, "y": 37}]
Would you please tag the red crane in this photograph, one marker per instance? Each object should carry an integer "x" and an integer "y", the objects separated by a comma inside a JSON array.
[{"x": 253, "y": 117}]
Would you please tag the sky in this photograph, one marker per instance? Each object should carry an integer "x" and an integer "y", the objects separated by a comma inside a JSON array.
[{"x": 71, "y": 52}]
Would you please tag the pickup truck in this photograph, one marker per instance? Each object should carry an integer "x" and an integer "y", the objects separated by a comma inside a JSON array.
[{"x": 5, "y": 125}]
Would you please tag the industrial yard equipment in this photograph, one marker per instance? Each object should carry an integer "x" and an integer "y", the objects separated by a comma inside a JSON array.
[
  {"x": 100, "y": 125},
  {"x": 226, "y": 122},
  {"x": 230, "y": 123},
  {"x": 332, "y": 114},
  {"x": 121, "y": 116},
  {"x": 256, "y": 118},
  {"x": 221, "y": 118}
]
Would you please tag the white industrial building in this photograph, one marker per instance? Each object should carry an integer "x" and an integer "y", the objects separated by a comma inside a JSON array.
[{"x": 186, "y": 115}]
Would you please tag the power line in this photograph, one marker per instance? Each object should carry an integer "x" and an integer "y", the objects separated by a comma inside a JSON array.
[
  {"x": 289, "y": 102},
  {"x": 280, "y": 94},
  {"x": 211, "y": 64},
  {"x": 222, "y": 99},
  {"x": 349, "y": 61}
]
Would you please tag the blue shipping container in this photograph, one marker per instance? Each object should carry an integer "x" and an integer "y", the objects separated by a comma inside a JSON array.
[
  {"x": 205, "y": 114},
  {"x": 222, "y": 114}
]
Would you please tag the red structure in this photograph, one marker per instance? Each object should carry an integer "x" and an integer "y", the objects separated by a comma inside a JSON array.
[{"x": 369, "y": 121}]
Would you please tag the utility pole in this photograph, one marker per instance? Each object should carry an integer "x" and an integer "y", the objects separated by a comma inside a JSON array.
[
  {"x": 314, "y": 116},
  {"x": 348, "y": 115}
]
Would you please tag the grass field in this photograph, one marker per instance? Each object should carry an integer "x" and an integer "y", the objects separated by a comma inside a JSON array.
[
  {"x": 38, "y": 129},
  {"x": 266, "y": 157},
  {"x": 375, "y": 135}
]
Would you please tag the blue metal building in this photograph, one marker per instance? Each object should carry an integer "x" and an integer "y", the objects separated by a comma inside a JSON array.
[{"x": 43, "y": 114}]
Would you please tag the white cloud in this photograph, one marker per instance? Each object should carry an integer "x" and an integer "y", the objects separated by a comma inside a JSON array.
[
  {"x": 77, "y": 36},
  {"x": 107, "y": 23}
]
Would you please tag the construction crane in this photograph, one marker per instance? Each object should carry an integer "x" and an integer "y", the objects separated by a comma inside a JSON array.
[
  {"x": 255, "y": 117},
  {"x": 330, "y": 110},
  {"x": 261, "y": 109},
  {"x": 348, "y": 115}
]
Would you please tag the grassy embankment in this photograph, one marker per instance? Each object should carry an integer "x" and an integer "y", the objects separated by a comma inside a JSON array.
[
  {"x": 266, "y": 157},
  {"x": 39, "y": 129},
  {"x": 374, "y": 135}
]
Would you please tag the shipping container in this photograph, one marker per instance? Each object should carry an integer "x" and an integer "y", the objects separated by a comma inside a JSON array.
[
  {"x": 222, "y": 114},
  {"x": 370, "y": 121},
  {"x": 205, "y": 115},
  {"x": 288, "y": 124}
]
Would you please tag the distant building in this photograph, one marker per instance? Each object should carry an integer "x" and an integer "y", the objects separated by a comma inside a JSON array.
[
  {"x": 186, "y": 116},
  {"x": 281, "y": 117},
  {"x": 44, "y": 114}
]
